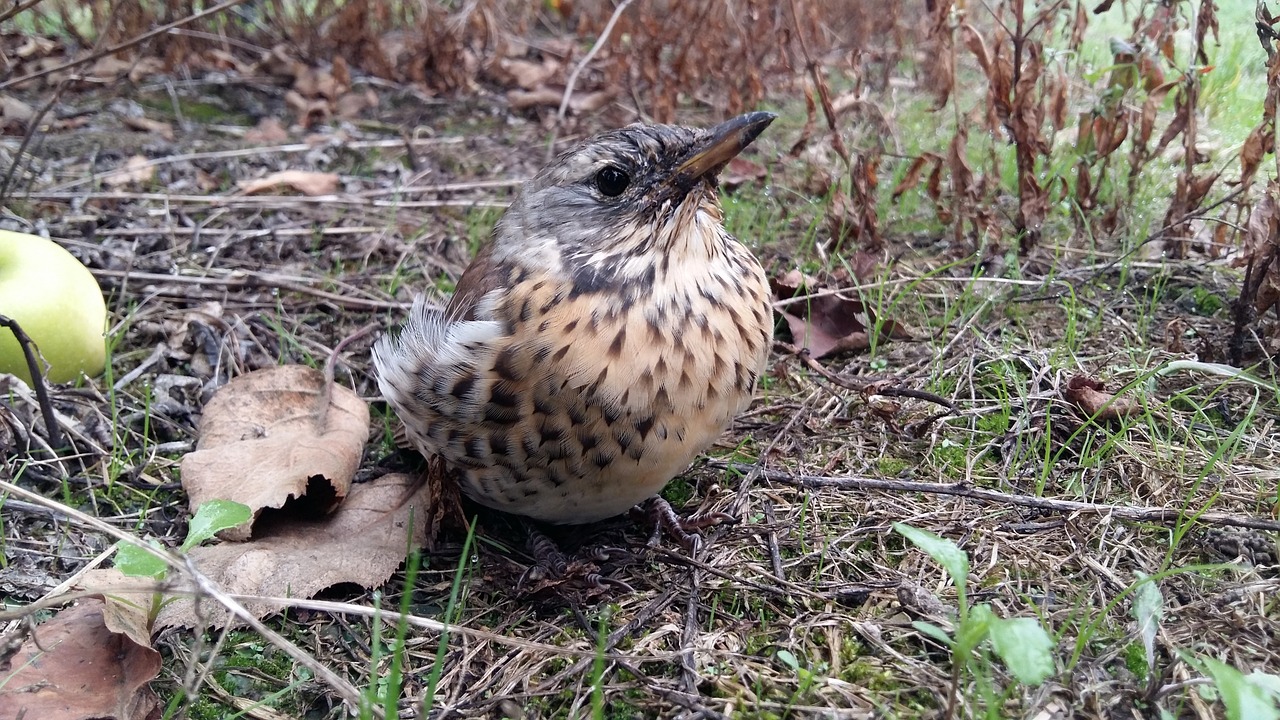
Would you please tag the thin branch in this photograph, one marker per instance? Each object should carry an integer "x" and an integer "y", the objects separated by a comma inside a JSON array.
[
  {"x": 122, "y": 46},
  {"x": 204, "y": 586},
  {"x": 577, "y": 70},
  {"x": 37, "y": 381},
  {"x": 1127, "y": 512}
]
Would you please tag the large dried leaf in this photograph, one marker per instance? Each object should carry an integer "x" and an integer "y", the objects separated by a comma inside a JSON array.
[
  {"x": 137, "y": 169},
  {"x": 1091, "y": 397},
  {"x": 128, "y": 602},
  {"x": 306, "y": 182},
  {"x": 828, "y": 324},
  {"x": 265, "y": 437},
  {"x": 75, "y": 668},
  {"x": 362, "y": 543}
]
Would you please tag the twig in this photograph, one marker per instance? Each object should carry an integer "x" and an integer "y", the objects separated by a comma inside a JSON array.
[
  {"x": 577, "y": 70},
  {"x": 293, "y": 148},
  {"x": 205, "y": 586},
  {"x": 878, "y": 387},
  {"x": 37, "y": 380},
  {"x": 330, "y": 368},
  {"x": 1158, "y": 234},
  {"x": 1127, "y": 512},
  {"x": 775, "y": 556},
  {"x": 122, "y": 46},
  {"x": 254, "y": 280},
  {"x": 17, "y": 8},
  {"x": 339, "y": 684}
]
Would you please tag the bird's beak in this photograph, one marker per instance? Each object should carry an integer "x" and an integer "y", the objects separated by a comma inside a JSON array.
[{"x": 721, "y": 145}]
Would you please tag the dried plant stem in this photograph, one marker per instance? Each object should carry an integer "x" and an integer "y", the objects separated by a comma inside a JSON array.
[
  {"x": 37, "y": 380},
  {"x": 1126, "y": 512},
  {"x": 577, "y": 70},
  {"x": 204, "y": 586},
  {"x": 121, "y": 46}
]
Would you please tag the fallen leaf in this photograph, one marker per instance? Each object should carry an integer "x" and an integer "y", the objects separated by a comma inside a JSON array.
[
  {"x": 269, "y": 130},
  {"x": 362, "y": 543},
  {"x": 127, "y": 602},
  {"x": 543, "y": 96},
  {"x": 261, "y": 442},
  {"x": 741, "y": 171},
  {"x": 310, "y": 111},
  {"x": 306, "y": 182},
  {"x": 15, "y": 112},
  {"x": 351, "y": 105},
  {"x": 1088, "y": 394},
  {"x": 825, "y": 324},
  {"x": 137, "y": 169},
  {"x": 530, "y": 75},
  {"x": 144, "y": 124},
  {"x": 74, "y": 668}
]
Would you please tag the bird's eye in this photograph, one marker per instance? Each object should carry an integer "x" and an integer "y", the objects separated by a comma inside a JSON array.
[{"x": 612, "y": 181}]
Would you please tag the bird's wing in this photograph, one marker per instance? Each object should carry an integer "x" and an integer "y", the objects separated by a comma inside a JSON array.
[
  {"x": 482, "y": 275},
  {"x": 430, "y": 368}
]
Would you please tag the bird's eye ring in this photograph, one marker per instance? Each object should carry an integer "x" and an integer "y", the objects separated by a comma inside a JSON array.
[{"x": 612, "y": 181}]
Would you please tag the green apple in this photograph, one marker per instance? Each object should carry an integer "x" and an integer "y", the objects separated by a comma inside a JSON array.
[{"x": 57, "y": 302}]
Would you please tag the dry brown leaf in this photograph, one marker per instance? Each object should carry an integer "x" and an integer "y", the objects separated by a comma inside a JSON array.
[
  {"x": 911, "y": 178},
  {"x": 363, "y": 543},
  {"x": 825, "y": 325},
  {"x": 269, "y": 130},
  {"x": 15, "y": 112},
  {"x": 260, "y": 443},
  {"x": 353, "y": 104},
  {"x": 579, "y": 103},
  {"x": 1089, "y": 395},
  {"x": 76, "y": 669},
  {"x": 144, "y": 124},
  {"x": 137, "y": 169},
  {"x": 304, "y": 181},
  {"x": 310, "y": 111},
  {"x": 128, "y": 601},
  {"x": 741, "y": 171},
  {"x": 529, "y": 75}
]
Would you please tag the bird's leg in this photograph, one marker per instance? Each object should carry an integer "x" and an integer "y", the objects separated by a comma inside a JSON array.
[
  {"x": 550, "y": 560},
  {"x": 686, "y": 531},
  {"x": 546, "y": 554}
]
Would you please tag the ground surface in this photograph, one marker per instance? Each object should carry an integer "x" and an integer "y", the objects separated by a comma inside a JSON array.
[{"x": 805, "y": 606}]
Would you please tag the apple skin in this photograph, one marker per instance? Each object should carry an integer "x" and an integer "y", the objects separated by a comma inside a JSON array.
[{"x": 57, "y": 302}]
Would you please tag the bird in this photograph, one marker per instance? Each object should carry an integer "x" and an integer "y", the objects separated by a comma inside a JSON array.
[{"x": 607, "y": 334}]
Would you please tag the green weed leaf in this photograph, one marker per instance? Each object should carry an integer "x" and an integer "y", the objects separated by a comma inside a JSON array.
[
  {"x": 1243, "y": 699},
  {"x": 1266, "y": 681},
  {"x": 1148, "y": 610},
  {"x": 212, "y": 517},
  {"x": 933, "y": 631},
  {"x": 1025, "y": 648},
  {"x": 789, "y": 659},
  {"x": 135, "y": 561},
  {"x": 974, "y": 629},
  {"x": 944, "y": 552}
]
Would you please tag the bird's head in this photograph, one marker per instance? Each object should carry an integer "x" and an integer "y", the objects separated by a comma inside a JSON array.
[{"x": 627, "y": 194}]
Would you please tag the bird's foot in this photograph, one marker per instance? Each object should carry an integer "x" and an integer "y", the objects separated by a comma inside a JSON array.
[
  {"x": 686, "y": 531},
  {"x": 553, "y": 567}
]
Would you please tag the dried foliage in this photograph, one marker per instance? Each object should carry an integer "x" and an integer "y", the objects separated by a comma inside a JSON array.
[
  {"x": 276, "y": 435},
  {"x": 74, "y": 668}
]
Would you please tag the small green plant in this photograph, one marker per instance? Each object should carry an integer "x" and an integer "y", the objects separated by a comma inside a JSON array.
[
  {"x": 1255, "y": 696},
  {"x": 211, "y": 518},
  {"x": 389, "y": 685},
  {"x": 1022, "y": 644}
]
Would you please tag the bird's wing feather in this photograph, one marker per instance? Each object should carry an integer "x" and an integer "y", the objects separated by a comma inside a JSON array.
[{"x": 429, "y": 364}]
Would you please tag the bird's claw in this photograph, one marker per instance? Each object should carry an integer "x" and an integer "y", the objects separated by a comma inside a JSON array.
[{"x": 686, "y": 531}]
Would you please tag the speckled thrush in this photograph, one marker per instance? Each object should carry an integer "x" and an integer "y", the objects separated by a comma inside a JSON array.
[{"x": 608, "y": 333}]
